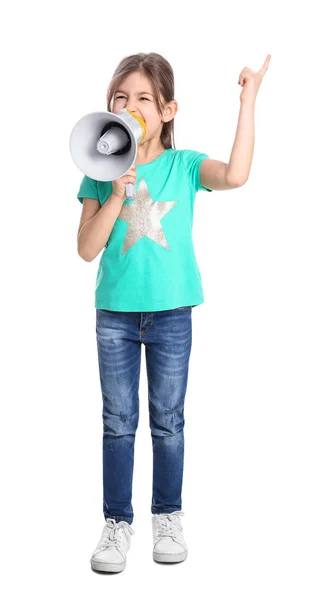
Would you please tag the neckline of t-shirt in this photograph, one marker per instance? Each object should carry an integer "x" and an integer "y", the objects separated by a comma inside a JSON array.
[{"x": 152, "y": 162}]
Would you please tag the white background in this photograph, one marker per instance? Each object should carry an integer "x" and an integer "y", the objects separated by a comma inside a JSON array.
[{"x": 246, "y": 475}]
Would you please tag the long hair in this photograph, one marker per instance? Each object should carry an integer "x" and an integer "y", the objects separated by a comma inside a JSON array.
[{"x": 160, "y": 74}]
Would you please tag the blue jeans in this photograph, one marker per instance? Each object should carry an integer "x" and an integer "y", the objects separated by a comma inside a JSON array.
[{"x": 167, "y": 336}]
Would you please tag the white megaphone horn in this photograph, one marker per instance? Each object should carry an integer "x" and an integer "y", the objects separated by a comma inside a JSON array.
[{"x": 104, "y": 145}]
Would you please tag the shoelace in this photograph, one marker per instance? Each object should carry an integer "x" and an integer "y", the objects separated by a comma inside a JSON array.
[
  {"x": 114, "y": 536},
  {"x": 164, "y": 523}
]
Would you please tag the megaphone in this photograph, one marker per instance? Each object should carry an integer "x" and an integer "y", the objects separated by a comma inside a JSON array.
[{"x": 104, "y": 145}]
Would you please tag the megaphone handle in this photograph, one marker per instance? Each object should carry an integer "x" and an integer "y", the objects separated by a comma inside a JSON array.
[{"x": 130, "y": 190}]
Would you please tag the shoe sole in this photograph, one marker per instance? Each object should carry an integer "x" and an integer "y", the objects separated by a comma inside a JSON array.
[
  {"x": 160, "y": 557},
  {"x": 107, "y": 567}
]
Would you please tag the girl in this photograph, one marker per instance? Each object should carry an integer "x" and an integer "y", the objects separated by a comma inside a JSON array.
[{"x": 147, "y": 283}]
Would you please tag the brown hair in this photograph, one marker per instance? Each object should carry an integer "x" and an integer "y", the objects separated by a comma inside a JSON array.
[{"x": 160, "y": 74}]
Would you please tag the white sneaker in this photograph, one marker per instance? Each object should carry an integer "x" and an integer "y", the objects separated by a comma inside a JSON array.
[
  {"x": 168, "y": 539},
  {"x": 110, "y": 552}
]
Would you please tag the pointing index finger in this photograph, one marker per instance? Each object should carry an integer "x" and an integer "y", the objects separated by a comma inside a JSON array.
[{"x": 264, "y": 68}]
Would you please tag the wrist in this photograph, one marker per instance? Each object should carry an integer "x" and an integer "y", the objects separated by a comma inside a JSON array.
[
  {"x": 115, "y": 198},
  {"x": 249, "y": 101}
]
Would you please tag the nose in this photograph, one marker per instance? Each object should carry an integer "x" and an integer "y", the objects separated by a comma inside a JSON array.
[
  {"x": 130, "y": 105},
  {"x": 131, "y": 108}
]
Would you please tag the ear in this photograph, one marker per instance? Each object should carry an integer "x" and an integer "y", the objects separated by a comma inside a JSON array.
[{"x": 170, "y": 111}]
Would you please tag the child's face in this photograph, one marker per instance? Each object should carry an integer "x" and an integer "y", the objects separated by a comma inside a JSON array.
[{"x": 142, "y": 104}]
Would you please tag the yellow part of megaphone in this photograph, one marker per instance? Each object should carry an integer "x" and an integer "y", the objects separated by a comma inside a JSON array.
[{"x": 142, "y": 123}]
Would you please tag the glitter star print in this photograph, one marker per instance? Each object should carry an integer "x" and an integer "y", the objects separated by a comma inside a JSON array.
[{"x": 144, "y": 216}]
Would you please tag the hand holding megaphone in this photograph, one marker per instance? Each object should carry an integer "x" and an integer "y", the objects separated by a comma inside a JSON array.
[
  {"x": 119, "y": 186},
  {"x": 104, "y": 147}
]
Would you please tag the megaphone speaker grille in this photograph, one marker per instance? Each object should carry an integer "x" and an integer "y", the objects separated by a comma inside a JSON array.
[{"x": 127, "y": 146}]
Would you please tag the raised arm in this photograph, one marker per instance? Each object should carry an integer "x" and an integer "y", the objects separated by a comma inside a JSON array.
[{"x": 218, "y": 175}]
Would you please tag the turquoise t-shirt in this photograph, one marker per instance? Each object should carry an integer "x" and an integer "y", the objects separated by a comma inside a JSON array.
[{"x": 149, "y": 263}]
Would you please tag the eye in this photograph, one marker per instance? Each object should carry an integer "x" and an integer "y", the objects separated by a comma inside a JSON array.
[{"x": 142, "y": 98}]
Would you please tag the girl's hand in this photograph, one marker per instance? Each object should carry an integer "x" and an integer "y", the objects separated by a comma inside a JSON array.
[
  {"x": 250, "y": 80},
  {"x": 119, "y": 185}
]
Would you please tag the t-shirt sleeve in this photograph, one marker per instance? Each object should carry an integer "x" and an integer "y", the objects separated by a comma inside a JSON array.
[
  {"x": 88, "y": 189},
  {"x": 192, "y": 160}
]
